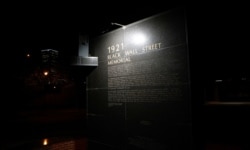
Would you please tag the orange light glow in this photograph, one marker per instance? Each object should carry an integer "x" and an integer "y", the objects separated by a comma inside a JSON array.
[
  {"x": 45, "y": 141},
  {"x": 45, "y": 73}
]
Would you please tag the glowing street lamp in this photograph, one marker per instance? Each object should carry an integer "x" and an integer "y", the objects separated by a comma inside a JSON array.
[{"x": 46, "y": 73}]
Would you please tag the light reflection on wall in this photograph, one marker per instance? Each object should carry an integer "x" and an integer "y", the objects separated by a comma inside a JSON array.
[{"x": 138, "y": 38}]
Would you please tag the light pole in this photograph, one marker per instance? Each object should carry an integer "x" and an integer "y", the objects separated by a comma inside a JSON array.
[{"x": 118, "y": 24}]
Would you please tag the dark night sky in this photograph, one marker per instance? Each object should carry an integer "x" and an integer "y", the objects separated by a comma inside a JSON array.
[{"x": 57, "y": 27}]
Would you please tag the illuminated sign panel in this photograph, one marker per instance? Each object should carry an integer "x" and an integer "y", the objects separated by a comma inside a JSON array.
[{"x": 139, "y": 94}]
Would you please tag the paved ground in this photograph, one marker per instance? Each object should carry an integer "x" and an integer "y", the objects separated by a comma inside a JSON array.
[{"x": 30, "y": 126}]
